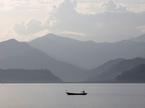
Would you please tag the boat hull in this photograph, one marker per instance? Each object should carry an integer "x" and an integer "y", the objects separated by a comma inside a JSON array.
[{"x": 76, "y": 93}]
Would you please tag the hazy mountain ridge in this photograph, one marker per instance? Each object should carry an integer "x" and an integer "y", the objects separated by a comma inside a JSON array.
[
  {"x": 87, "y": 54},
  {"x": 111, "y": 70},
  {"x": 27, "y": 76},
  {"x": 92, "y": 54},
  {"x": 65, "y": 49},
  {"x": 134, "y": 75},
  {"x": 57, "y": 54},
  {"x": 22, "y": 56}
]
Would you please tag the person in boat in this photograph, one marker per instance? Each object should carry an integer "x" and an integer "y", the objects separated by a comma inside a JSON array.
[{"x": 83, "y": 91}]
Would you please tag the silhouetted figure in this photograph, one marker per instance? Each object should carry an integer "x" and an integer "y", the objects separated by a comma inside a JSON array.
[{"x": 83, "y": 91}]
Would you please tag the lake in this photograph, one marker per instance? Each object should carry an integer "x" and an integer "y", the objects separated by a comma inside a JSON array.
[{"x": 53, "y": 96}]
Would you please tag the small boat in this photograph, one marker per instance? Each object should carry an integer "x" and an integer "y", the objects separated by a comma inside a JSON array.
[{"x": 81, "y": 93}]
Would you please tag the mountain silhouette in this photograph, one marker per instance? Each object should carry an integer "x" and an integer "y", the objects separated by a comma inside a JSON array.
[
  {"x": 20, "y": 55},
  {"x": 87, "y": 54},
  {"x": 134, "y": 75},
  {"x": 66, "y": 58},
  {"x": 114, "y": 68}
]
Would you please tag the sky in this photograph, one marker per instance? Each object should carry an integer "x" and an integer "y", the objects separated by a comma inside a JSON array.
[{"x": 98, "y": 20}]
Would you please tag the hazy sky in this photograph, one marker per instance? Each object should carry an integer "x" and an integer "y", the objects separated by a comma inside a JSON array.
[{"x": 100, "y": 20}]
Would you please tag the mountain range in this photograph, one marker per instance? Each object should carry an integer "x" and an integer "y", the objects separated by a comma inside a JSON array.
[
  {"x": 134, "y": 75},
  {"x": 115, "y": 69},
  {"x": 20, "y": 55},
  {"x": 87, "y": 54},
  {"x": 70, "y": 60}
]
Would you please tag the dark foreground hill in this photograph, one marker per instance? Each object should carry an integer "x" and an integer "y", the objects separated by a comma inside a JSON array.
[
  {"x": 119, "y": 70},
  {"x": 28, "y": 76},
  {"x": 134, "y": 75}
]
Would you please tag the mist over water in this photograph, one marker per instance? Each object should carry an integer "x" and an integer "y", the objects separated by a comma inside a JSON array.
[{"x": 53, "y": 96}]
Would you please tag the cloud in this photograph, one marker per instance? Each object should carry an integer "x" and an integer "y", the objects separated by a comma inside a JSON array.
[
  {"x": 31, "y": 5},
  {"x": 112, "y": 7},
  {"x": 134, "y": 5},
  {"x": 113, "y": 24},
  {"x": 5, "y": 5},
  {"x": 100, "y": 6},
  {"x": 31, "y": 27},
  {"x": 100, "y": 20}
]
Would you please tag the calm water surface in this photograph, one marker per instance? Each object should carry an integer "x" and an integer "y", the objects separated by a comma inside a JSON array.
[{"x": 53, "y": 96}]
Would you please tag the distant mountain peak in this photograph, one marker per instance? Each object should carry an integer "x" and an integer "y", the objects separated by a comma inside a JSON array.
[
  {"x": 10, "y": 40},
  {"x": 56, "y": 38}
]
